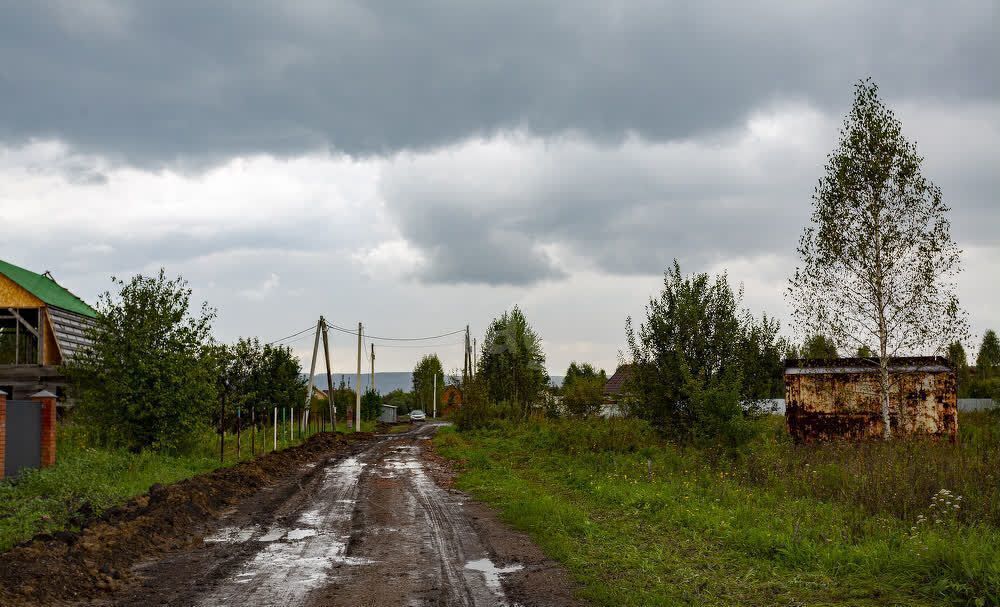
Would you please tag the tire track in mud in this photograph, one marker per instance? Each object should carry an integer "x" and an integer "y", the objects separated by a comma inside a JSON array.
[{"x": 373, "y": 528}]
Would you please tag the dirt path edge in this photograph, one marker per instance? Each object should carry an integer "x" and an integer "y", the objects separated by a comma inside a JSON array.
[{"x": 67, "y": 567}]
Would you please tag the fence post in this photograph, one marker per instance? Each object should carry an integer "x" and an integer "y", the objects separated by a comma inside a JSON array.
[
  {"x": 3, "y": 431},
  {"x": 48, "y": 438}
]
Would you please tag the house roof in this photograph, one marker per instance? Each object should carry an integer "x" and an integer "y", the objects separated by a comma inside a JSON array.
[
  {"x": 46, "y": 289},
  {"x": 614, "y": 385}
]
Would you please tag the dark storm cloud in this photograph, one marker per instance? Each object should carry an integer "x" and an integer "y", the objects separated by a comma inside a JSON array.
[{"x": 185, "y": 82}]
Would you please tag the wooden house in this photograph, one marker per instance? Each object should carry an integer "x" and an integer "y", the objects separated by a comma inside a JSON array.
[{"x": 42, "y": 326}]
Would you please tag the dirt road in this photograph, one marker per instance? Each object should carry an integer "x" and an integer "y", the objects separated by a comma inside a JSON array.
[{"x": 370, "y": 529}]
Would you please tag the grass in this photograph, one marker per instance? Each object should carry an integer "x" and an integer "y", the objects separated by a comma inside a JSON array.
[
  {"x": 642, "y": 522},
  {"x": 91, "y": 480}
]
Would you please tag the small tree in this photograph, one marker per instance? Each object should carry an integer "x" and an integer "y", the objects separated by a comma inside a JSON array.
[
  {"x": 424, "y": 373},
  {"x": 988, "y": 357},
  {"x": 818, "y": 347},
  {"x": 697, "y": 358},
  {"x": 878, "y": 262},
  {"x": 371, "y": 405},
  {"x": 583, "y": 389},
  {"x": 512, "y": 363},
  {"x": 958, "y": 360},
  {"x": 147, "y": 379}
]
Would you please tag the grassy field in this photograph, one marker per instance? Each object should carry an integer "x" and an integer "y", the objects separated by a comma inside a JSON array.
[
  {"x": 642, "y": 522},
  {"x": 88, "y": 480}
]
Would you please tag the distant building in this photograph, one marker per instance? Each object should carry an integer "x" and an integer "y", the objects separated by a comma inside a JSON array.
[
  {"x": 614, "y": 391},
  {"x": 42, "y": 326},
  {"x": 841, "y": 398},
  {"x": 615, "y": 384}
]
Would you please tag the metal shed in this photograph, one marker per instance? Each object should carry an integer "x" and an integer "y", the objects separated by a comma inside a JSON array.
[
  {"x": 388, "y": 414},
  {"x": 841, "y": 398}
]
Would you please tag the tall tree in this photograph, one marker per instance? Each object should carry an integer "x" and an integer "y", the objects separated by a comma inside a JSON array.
[
  {"x": 988, "y": 358},
  {"x": 957, "y": 358},
  {"x": 878, "y": 261},
  {"x": 512, "y": 363},
  {"x": 424, "y": 373},
  {"x": 147, "y": 380}
]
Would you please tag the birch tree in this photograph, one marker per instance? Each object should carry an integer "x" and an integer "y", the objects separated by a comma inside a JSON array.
[{"x": 878, "y": 264}]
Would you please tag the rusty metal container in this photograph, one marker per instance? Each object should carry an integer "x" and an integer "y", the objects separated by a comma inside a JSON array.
[{"x": 841, "y": 398}]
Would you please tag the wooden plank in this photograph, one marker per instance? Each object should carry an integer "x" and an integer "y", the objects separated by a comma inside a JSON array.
[{"x": 24, "y": 322}]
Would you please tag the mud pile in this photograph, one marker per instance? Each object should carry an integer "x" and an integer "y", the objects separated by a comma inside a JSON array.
[{"x": 69, "y": 566}]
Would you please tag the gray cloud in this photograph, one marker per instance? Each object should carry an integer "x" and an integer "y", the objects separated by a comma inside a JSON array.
[{"x": 171, "y": 82}]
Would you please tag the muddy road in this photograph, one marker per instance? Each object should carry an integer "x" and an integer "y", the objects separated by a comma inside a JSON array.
[{"x": 374, "y": 528}]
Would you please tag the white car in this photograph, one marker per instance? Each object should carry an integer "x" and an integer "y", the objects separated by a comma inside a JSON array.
[{"x": 417, "y": 416}]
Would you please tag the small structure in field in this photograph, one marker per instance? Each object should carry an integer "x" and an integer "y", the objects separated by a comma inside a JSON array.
[
  {"x": 841, "y": 398},
  {"x": 42, "y": 325},
  {"x": 388, "y": 414}
]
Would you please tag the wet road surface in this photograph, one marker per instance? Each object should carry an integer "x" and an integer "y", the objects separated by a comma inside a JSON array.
[{"x": 371, "y": 529}]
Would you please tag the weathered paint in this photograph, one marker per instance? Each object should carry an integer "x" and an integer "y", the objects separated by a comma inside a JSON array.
[{"x": 842, "y": 399}]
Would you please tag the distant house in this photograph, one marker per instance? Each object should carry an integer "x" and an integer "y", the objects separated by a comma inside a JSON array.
[
  {"x": 841, "y": 398},
  {"x": 42, "y": 326},
  {"x": 615, "y": 384},
  {"x": 614, "y": 390}
]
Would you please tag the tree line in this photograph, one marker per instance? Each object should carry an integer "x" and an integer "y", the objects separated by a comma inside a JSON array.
[
  {"x": 153, "y": 376},
  {"x": 877, "y": 278}
]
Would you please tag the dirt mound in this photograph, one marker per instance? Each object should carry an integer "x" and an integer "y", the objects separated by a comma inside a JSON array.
[{"x": 67, "y": 566}]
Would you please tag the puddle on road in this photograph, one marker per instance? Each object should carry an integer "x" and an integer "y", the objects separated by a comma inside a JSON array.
[
  {"x": 272, "y": 535},
  {"x": 298, "y": 534},
  {"x": 231, "y": 535},
  {"x": 491, "y": 572}
]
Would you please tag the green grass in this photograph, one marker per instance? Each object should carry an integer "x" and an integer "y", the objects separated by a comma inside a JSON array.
[
  {"x": 641, "y": 522},
  {"x": 94, "y": 480}
]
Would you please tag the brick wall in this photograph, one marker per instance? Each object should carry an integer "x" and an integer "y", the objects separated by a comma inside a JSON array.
[{"x": 48, "y": 437}]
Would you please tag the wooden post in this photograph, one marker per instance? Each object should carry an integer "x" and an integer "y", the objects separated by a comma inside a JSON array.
[
  {"x": 373, "y": 367},
  {"x": 253, "y": 434},
  {"x": 312, "y": 367},
  {"x": 357, "y": 388},
  {"x": 275, "y": 424},
  {"x": 238, "y": 443},
  {"x": 329, "y": 377}
]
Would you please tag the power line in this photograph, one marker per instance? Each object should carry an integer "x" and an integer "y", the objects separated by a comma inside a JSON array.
[
  {"x": 350, "y": 332},
  {"x": 424, "y": 346},
  {"x": 310, "y": 328}
]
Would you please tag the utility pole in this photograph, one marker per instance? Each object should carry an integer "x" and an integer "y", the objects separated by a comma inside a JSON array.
[
  {"x": 329, "y": 375},
  {"x": 312, "y": 367},
  {"x": 465, "y": 360},
  {"x": 357, "y": 389},
  {"x": 373, "y": 367},
  {"x": 435, "y": 395},
  {"x": 475, "y": 357}
]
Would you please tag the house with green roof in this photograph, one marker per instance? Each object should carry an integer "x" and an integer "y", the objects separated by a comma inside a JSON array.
[{"x": 42, "y": 326}]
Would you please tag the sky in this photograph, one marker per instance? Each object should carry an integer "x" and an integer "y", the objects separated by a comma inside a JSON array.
[{"x": 418, "y": 167}]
